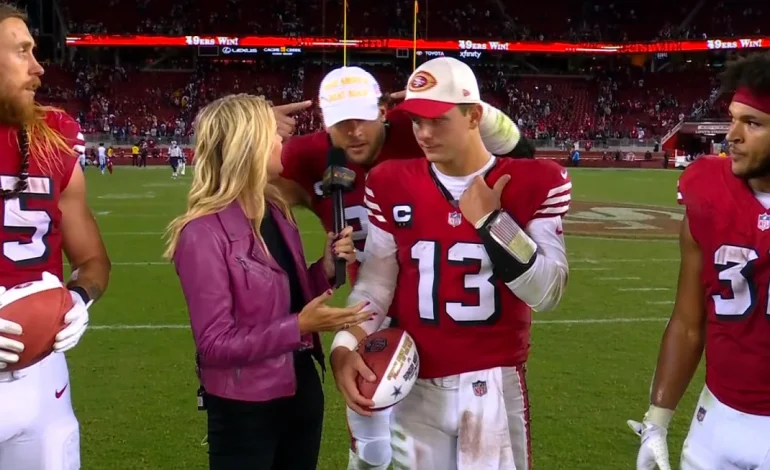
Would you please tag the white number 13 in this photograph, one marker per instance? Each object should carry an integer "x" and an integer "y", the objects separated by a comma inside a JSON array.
[{"x": 427, "y": 254}]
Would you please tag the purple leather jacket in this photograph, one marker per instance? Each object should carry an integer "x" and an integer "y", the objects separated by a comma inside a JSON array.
[{"x": 238, "y": 299}]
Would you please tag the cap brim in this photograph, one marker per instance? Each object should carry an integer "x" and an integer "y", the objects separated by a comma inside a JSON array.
[{"x": 429, "y": 109}]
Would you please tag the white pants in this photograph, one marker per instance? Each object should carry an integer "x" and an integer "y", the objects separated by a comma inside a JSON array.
[
  {"x": 473, "y": 421},
  {"x": 722, "y": 438},
  {"x": 369, "y": 440},
  {"x": 38, "y": 429}
]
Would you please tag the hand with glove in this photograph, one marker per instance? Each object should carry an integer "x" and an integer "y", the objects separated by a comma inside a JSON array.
[
  {"x": 75, "y": 321},
  {"x": 653, "y": 430},
  {"x": 9, "y": 348}
]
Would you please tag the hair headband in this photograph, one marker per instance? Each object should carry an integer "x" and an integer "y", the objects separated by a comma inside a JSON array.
[{"x": 749, "y": 98}]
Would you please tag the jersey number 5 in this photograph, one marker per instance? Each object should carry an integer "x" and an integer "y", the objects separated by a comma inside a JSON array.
[
  {"x": 735, "y": 267},
  {"x": 34, "y": 225},
  {"x": 428, "y": 256}
]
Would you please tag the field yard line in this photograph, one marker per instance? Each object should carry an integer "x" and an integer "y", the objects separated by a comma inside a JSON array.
[
  {"x": 629, "y": 278},
  {"x": 642, "y": 289},
  {"x": 660, "y": 302},
  {"x": 589, "y": 269},
  {"x": 582, "y": 321}
]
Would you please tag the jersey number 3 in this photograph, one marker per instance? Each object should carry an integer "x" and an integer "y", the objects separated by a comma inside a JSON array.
[
  {"x": 735, "y": 267},
  {"x": 28, "y": 224},
  {"x": 428, "y": 256}
]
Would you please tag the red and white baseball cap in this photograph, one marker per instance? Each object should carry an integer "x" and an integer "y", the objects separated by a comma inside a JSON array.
[
  {"x": 438, "y": 85},
  {"x": 349, "y": 93}
]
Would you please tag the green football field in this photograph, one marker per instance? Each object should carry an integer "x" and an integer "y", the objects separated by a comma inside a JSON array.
[{"x": 133, "y": 380}]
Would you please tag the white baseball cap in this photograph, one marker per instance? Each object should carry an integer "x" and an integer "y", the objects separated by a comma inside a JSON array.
[
  {"x": 349, "y": 93},
  {"x": 438, "y": 85}
]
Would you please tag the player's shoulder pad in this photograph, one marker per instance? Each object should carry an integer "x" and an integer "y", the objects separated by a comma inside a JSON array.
[
  {"x": 393, "y": 171},
  {"x": 308, "y": 146},
  {"x": 700, "y": 174},
  {"x": 537, "y": 172},
  {"x": 63, "y": 123}
]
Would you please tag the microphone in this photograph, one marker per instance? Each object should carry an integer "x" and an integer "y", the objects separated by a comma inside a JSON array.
[{"x": 337, "y": 180}]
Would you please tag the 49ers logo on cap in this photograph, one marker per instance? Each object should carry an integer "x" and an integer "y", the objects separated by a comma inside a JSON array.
[{"x": 422, "y": 81}]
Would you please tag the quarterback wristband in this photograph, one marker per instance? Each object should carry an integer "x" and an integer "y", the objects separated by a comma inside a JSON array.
[
  {"x": 510, "y": 249},
  {"x": 659, "y": 416},
  {"x": 344, "y": 339}
]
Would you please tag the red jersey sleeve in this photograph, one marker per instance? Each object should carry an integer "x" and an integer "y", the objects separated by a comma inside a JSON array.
[
  {"x": 301, "y": 155},
  {"x": 554, "y": 190},
  {"x": 69, "y": 129},
  {"x": 376, "y": 193}
]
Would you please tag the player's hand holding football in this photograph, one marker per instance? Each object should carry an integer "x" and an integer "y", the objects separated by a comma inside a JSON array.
[
  {"x": 654, "y": 450},
  {"x": 317, "y": 316},
  {"x": 287, "y": 125},
  {"x": 341, "y": 246},
  {"x": 479, "y": 200},
  {"x": 9, "y": 348},
  {"x": 75, "y": 321},
  {"x": 347, "y": 365}
]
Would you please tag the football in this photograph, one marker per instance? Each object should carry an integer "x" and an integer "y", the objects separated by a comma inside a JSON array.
[
  {"x": 39, "y": 307},
  {"x": 392, "y": 355}
]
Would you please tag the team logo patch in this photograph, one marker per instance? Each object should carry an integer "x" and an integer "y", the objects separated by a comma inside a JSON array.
[
  {"x": 701, "y": 414},
  {"x": 455, "y": 219},
  {"x": 763, "y": 222},
  {"x": 479, "y": 388},
  {"x": 376, "y": 345},
  {"x": 422, "y": 81}
]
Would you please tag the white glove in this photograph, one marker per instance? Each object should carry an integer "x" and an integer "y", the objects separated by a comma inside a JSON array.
[
  {"x": 635, "y": 426},
  {"x": 9, "y": 348},
  {"x": 76, "y": 321},
  {"x": 654, "y": 450}
]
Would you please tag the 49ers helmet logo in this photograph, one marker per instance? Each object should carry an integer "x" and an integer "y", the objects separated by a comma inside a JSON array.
[{"x": 422, "y": 81}]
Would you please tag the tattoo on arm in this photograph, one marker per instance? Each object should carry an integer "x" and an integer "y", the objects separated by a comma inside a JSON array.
[{"x": 93, "y": 277}]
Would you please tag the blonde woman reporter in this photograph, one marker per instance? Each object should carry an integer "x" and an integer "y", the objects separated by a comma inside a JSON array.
[{"x": 255, "y": 307}]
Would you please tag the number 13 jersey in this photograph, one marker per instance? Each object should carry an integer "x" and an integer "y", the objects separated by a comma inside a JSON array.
[
  {"x": 461, "y": 316},
  {"x": 732, "y": 229},
  {"x": 31, "y": 222}
]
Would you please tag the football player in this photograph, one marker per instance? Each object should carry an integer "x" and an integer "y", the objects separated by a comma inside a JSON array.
[
  {"x": 474, "y": 243},
  {"x": 356, "y": 119},
  {"x": 175, "y": 158},
  {"x": 44, "y": 212},
  {"x": 722, "y": 296}
]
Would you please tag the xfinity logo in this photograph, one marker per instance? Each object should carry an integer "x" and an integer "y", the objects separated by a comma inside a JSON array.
[
  {"x": 239, "y": 50},
  {"x": 474, "y": 54}
]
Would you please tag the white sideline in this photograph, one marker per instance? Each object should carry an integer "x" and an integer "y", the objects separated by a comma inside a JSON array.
[{"x": 584, "y": 321}]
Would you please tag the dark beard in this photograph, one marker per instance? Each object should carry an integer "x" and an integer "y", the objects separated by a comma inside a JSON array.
[{"x": 15, "y": 113}]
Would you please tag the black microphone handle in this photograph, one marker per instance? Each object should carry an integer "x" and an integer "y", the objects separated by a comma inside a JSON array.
[{"x": 338, "y": 214}]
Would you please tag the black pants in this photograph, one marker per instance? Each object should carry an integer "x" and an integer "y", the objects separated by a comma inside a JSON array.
[{"x": 281, "y": 434}]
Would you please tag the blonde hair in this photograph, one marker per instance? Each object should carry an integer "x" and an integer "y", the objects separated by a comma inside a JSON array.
[{"x": 235, "y": 136}]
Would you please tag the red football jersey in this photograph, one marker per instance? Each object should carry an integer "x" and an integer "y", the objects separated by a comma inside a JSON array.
[
  {"x": 31, "y": 222},
  {"x": 460, "y": 315},
  {"x": 731, "y": 227},
  {"x": 304, "y": 161}
]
